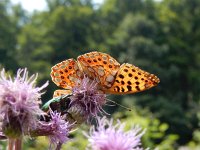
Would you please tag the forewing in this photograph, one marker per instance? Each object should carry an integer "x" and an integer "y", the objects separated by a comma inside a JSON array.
[
  {"x": 131, "y": 79},
  {"x": 66, "y": 74},
  {"x": 99, "y": 66}
]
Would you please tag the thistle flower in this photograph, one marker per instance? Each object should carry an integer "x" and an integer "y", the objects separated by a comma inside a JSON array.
[
  {"x": 113, "y": 137},
  {"x": 2, "y": 136},
  {"x": 19, "y": 103},
  {"x": 60, "y": 129},
  {"x": 87, "y": 100}
]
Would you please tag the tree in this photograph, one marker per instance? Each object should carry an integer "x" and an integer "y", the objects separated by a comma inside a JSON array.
[{"x": 8, "y": 33}]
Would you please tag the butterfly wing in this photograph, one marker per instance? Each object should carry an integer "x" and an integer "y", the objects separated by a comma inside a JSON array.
[
  {"x": 131, "y": 79},
  {"x": 99, "y": 66},
  {"x": 58, "y": 93},
  {"x": 66, "y": 73}
]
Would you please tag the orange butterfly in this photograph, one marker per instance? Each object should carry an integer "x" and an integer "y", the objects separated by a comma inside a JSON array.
[{"x": 112, "y": 77}]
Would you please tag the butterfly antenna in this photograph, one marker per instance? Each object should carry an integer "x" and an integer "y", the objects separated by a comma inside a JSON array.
[{"x": 127, "y": 108}]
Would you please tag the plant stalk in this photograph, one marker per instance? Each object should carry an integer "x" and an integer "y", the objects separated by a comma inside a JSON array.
[
  {"x": 10, "y": 144},
  {"x": 18, "y": 144}
]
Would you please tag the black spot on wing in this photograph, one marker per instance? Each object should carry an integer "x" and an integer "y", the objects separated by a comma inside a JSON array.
[{"x": 129, "y": 88}]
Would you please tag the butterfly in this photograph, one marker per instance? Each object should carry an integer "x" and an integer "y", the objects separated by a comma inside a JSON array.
[{"x": 112, "y": 78}]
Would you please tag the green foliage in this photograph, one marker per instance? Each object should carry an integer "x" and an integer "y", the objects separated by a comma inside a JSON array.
[
  {"x": 156, "y": 135},
  {"x": 2, "y": 145},
  {"x": 8, "y": 33}
]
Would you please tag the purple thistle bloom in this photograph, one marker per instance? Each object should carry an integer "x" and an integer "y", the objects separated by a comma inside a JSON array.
[
  {"x": 19, "y": 102},
  {"x": 60, "y": 128},
  {"x": 109, "y": 137},
  {"x": 87, "y": 98},
  {"x": 2, "y": 136}
]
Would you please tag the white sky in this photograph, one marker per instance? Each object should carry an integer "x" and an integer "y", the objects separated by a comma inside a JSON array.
[{"x": 31, "y": 5}]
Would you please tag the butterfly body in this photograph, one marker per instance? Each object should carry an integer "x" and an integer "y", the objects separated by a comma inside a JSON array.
[{"x": 112, "y": 78}]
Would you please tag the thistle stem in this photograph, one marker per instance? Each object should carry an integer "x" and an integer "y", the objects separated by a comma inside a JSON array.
[
  {"x": 18, "y": 144},
  {"x": 10, "y": 144},
  {"x": 58, "y": 147}
]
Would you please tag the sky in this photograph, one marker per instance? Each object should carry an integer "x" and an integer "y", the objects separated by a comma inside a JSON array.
[{"x": 31, "y": 5}]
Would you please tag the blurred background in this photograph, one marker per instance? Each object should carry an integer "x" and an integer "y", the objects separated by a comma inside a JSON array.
[{"x": 161, "y": 37}]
